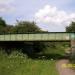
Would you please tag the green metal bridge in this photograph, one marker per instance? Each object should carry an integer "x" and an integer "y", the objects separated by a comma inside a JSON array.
[{"x": 44, "y": 36}]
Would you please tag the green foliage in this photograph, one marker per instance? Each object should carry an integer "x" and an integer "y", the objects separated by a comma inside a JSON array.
[
  {"x": 9, "y": 29},
  {"x": 17, "y": 64},
  {"x": 25, "y": 26},
  {"x": 2, "y": 22},
  {"x": 71, "y": 27},
  {"x": 2, "y": 25},
  {"x": 20, "y": 27}
]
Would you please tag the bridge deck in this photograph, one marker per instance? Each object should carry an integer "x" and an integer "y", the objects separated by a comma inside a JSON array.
[{"x": 38, "y": 37}]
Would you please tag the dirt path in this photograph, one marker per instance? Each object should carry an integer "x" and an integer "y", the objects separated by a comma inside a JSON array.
[{"x": 64, "y": 70}]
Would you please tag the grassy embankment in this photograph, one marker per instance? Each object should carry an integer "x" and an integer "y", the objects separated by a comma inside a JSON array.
[{"x": 19, "y": 64}]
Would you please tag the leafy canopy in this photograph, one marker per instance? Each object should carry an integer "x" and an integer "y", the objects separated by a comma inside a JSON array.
[{"x": 71, "y": 27}]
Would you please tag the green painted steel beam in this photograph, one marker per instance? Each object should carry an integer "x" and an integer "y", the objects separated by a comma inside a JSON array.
[{"x": 38, "y": 37}]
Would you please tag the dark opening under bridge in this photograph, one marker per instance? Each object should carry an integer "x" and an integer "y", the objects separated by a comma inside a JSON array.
[{"x": 43, "y": 36}]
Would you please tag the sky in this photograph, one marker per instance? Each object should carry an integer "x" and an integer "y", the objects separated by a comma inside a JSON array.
[{"x": 49, "y": 15}]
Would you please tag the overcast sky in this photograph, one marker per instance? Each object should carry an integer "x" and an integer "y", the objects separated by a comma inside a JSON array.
[{"x": 50, "y": 15}]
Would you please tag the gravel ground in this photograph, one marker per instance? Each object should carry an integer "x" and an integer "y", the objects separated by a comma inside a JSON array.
[{"x": 62, "y": 69}]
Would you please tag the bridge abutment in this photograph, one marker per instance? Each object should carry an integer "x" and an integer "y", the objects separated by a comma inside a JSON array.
[{"x": 73, "y": 48}]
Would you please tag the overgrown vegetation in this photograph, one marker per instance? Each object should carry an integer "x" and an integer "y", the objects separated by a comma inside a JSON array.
[
  {"x": 71, "y": 27},
  {"x": 19, "y": 64}
]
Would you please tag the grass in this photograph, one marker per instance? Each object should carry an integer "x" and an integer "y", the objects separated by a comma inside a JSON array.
[
  {"x": 19, "y": 64},
  {"x": 58, "y": 50}
]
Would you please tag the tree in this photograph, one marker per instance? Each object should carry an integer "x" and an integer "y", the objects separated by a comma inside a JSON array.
[
  {"x": 2, "y": 25},
  {"x": 8, "y": 29},
  {"x": 71, "y": 27},
  {"x": 25, "y": 26},
  {"x": 2, "y": 22}
]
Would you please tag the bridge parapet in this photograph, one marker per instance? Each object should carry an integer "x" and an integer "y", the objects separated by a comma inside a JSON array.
[
  {"x": 38, "y": 37},
  {"x": 56, "y": 36}
]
